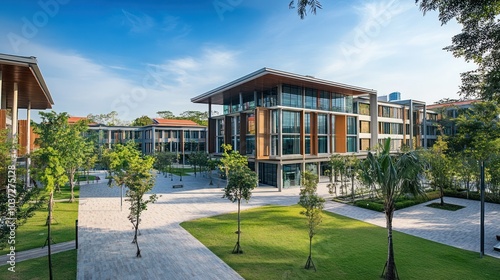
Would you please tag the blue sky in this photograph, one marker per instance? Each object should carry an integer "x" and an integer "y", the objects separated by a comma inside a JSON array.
[{"x": 140, "y": 57}]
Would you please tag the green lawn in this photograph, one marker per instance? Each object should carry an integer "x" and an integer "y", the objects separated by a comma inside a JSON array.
[
  {"x": 275, "y": 244},
  {"x": 63, "y": 267},
  {"x": 34, "y": 232}
]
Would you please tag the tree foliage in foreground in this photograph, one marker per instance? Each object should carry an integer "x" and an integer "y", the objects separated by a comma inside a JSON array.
[
  {"x": 135, "y": 172},
  {"x": 392, "y": 175},
  {"x": 478, "y": 42},
  {"x": 313, "y": 206},
  {"x": 24, "y": 200}
]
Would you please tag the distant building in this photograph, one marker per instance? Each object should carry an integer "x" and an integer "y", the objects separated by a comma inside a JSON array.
[{"x": 177, "y": 136}]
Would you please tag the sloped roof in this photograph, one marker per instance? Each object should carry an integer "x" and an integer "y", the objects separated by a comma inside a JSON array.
[
  {"x": 75, "y": 119},
  {"x": 24, "y": 71},
  {"x": 171, "y": 122},
  {"x": 456, "y": 104}
]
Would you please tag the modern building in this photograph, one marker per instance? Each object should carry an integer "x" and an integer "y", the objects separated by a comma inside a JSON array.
[
  {"x": 447, "y": 112},
  {"x": 22, "y": 87},
  {"x": 286, "y": 123},
  {"x": 177, "y": 136}
]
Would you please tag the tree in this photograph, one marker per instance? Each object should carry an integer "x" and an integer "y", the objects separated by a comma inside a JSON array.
[
  {"x": 50, "y": 172},
  {"x": 166, "y": 114},
  {"x": 393, "y": 175},
  {"x": 478, "y": 42},
  {"x": 110, "y": 119},
  {"x": 198, "y": 117},
  {"x": 241, "y": 182},
  {"x": 211, "y": 165},
  {"x": 313, "y": 205},
  {"x": 164, "y": 161},
  {"x": 231, "y": 159},
  {"x": 134, "y": 171},
  {"x": 55, "y": 131},
  {"x": 17, "y": 203},
  {"x": 302, "y": 6},
  {"x": 198, "y": 159},
  {"x": 142, "y": 121},
  {"x": 439, "y": 166}
]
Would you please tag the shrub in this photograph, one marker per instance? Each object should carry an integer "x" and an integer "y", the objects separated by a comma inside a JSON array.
[{"x": 473, "y": 196}]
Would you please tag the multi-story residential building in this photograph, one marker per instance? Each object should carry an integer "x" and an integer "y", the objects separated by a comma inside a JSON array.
[
  {"x": 178, "y": 136},
  {"x": 447, "y": 112},
  {"x": 286, "y": 123}
]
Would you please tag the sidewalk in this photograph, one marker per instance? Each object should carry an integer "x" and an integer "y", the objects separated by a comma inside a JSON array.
[{"x": 39, "y": 252}]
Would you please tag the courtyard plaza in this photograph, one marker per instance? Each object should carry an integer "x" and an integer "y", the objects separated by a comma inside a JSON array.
[{"x": 169, "y": 252}]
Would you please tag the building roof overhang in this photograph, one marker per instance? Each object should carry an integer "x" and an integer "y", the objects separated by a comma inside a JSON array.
[
  {"x": 31, "y": 86},
  {"x": 267, "y": 78}
]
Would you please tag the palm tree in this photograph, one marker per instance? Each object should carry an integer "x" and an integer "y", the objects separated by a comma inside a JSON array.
[
  {"x": 302, "y": 6},
  {"x": 392, "y": 175}
]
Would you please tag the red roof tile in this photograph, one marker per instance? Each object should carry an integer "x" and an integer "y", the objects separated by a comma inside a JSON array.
[{"x": 75, "y": 119}]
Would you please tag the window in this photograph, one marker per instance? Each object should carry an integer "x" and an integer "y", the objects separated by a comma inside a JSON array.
[
  {"x": 322, "y": 124},
  {"x": 250, "y": 124},
  {"x": 364, "y": 109},
  {"x": 351, "y": 125},
  {"x": 269, "y": 98},
  {"x": 337, "y": 102},
  {"x": 324, "y": 100},
  {"x": 291, "y": 122},
  {"x": 311, "y": 99},
  {"x": 250, "y": 143},
  {"x": 364, "y": 144},
  {"x": 307, "y": 123},
  {"x": 351, "y": 144},
  {"x": 291, "y": 96},
  {"x": 291, "y": 144},
  {"x": 364, "y": 126},
  {"x": 322, "y": 144}
]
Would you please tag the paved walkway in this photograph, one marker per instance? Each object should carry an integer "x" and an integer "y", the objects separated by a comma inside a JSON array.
[
  {"x": 39, "y": 252},
  {"x": 169, "y": 252}
]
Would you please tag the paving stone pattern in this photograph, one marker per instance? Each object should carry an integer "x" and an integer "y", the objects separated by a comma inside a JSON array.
[{"x": 169, "y": 252}]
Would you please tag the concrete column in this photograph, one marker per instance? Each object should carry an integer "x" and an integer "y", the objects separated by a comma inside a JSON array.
[
  {"x": 424, "y": 130},
  {"x": 279, "y": 92},
  {"x": 257, "y": 171},
  {"x": 28, "y": 145},
  {"x": 373, "y": 121},
  {"x": 410, "y": 116},
  {"x": 241, "y": 101},
  {"x": 280, "y": 134},
  {"x": 153, "y": 140},
  {"x": 14, "y": 123}
]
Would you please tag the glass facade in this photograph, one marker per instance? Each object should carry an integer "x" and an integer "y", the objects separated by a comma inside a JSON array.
[
  {"x": 291, "y": 133},
  {"x": 268, "y": 174},
  {"x": 291, "y": 175}
]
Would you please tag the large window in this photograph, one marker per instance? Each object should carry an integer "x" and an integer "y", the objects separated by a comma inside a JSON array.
[
  {"x": 364, "y": 144},
  {"x": 324, "y": 100},
  {"x": 364, "y": 109},
  {"x": 268, "y": 174},
  {"x": 291, "y": 133},
  {"x": 322, "y": 133},
  {"x": 338, "y": 102},
  {"x": 351, "y": 144},
  {"x": 322, "y": 144},
  {"x": 311, "y": 99},
  {"x": 322, "y": 124},
  {"x": 269, "y": 98},
  {"x": 364, "y": 126},
  {"x": 250, "y": 124},
  {"x": 291, "y": 96},
  {"x": 291, "y": 122},
  {"x": 351, "y": 125}
]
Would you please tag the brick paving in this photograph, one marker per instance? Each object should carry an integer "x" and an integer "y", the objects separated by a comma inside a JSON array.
[{"x": 169, "y": 252}]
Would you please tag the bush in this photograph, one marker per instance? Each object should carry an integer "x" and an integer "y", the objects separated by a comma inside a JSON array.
[
  {"x": 370, "y": 204},
  {"x": 400, "y": 203},
  {"x": 473, "y": 196}
]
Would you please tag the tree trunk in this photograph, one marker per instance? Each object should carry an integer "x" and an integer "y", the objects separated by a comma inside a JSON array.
[
  {"x": 237, "y": 247},
  {"x": 49, "y": 237},
  {"x": 72, "y": 185},
  {"x": 390, "y": 272},
  {"x": 441, "y": 195},
  {"x": 352, "y": 187},
  {"x": 136, "y": 226}
]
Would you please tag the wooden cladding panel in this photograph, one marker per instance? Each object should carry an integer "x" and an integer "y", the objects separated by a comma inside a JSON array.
[
  {"x": 3, "y": 119},
  {"x": 314, "y": 133},
  {"x": 340, "y": 134},
  {"x": 263, "y": 129}
]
